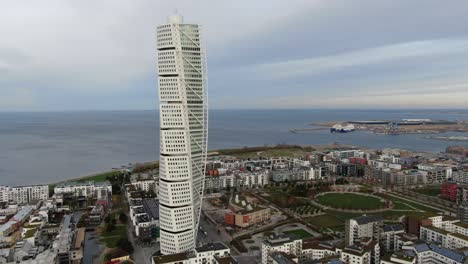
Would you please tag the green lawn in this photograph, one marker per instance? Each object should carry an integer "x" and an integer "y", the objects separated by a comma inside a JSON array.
[
  {"x": 415, "y": 205},
  {"x": 325, "y": 221},
  {"x": 402, "y": 206},
  {"x": 350, "y": 201},
  {"x": 430, "y": 191},
  {"x": 99, "y": 177},
  {"x": 300, "y": 233},
  {"x": 342, "y": 216}
]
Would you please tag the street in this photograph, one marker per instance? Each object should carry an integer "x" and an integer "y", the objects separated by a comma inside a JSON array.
[
  {"x": 212, "y": 234},
  {"x": 142, "y": 253}
]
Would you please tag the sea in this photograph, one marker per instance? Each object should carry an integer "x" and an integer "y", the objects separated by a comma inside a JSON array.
[{"x": 46, "y": 147}]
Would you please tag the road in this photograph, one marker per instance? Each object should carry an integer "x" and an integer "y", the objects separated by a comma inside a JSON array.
[
  {"x": 142, "y": 253},
  {"x": 212, "y": 233}
]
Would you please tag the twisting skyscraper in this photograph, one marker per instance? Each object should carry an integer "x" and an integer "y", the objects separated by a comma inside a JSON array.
[{"x": 184, "y": 133}]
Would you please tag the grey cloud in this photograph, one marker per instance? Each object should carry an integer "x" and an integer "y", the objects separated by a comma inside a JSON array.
[{"x": 103, "y": 52}]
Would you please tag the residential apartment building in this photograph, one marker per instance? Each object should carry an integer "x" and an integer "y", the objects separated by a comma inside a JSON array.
[
  {"x": 99, "y": 190},
  {"x": 280, "y": 243},
  {"x": 367, "y": 251},
  {"x": 145, "y": 185},
  {"x": 363, "y": 226},
  {"x": 388, "y": 235},
  {"x": 24, "y": 194},
  {"x": 432, "y": 253},
  {"x": 213, "y": 253}
]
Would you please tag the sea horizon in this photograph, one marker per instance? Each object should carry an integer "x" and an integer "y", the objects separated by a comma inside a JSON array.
[{"x": 45, "y": 147}]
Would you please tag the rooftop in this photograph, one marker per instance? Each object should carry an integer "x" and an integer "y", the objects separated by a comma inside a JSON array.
[
  {"x": 143, "y": 218},
  {"x": 461, "y": 236},
  {"x": 453, "y": 255},
  {"x": 226, "y": 260},
  {"x": 277, "y": 240},
  {"x": 393, "y": 228},
  {"x": 151, "y": 207},
  {"x": 436, "y": 229},
  {"x": 30, "y": 233},
  {"x": 461, "y": 224},
  {"x": 211, "y": 247},
  {"x": 422, "y": 247},
  {"x": 171, "y": 258},
  {"x": 283, "y": 258},
  {"x": 79, "y": 238},
  {"x": 366, "y": 219}
]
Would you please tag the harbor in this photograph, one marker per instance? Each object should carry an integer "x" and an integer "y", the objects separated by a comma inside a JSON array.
[
  {"x": 451, "y": 138},
  {"x": 396, "y": 127}
]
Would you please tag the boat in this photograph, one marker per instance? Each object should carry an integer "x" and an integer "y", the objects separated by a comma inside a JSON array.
[{"x": 342, "y": 128}]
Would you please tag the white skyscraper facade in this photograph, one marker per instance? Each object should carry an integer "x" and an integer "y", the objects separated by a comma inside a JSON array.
[{"x": 183, "y": 133}]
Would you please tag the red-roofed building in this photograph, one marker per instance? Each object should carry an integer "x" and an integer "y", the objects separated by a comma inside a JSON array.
[{"x": 449, "y": 191}]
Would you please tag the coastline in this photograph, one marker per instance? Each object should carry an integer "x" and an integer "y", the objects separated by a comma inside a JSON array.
[{"x": 246, "y": 152}]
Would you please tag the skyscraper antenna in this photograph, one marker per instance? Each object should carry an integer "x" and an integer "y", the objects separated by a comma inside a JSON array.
[{"x": 176, "y": 11}]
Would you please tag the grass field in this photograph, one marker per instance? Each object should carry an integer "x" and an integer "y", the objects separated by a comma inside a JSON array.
[
  {"x": 325, "y": 221},
  {"x": 430, "y": 191},
  {"x": 99, "y": 177},
  {"x": 350, "y": 201},
  {"x": 402, "y": 206},
  {"x": 300, "y": 233},
  {"x": 415, "y": 205}
]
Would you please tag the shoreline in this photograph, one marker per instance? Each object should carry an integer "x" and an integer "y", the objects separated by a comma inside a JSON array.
[
  {"x": 278, "y": 150},
  {"x": 101, "y": 174}
]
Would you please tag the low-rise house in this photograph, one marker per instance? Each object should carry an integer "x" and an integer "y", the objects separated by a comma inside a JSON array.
[{"x": 96, "y": 215}]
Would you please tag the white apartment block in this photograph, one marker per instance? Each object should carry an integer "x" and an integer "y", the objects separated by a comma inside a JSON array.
[
  {"x": 367, "y": 251},
  {"x": 4, "y": 190},
  {"x": 24, "y": 194},
  {"x": 382, "y": 164},
  {"x": 183, "y": 133},
  {"x": 253, "y": 179},
  {"x": 445, "y": 238},
  {"x": 460, "y": 175},
  {"x": 97, "y": 190},
  {"x": 432, "y": 253},
  {"x": 388, "y": 236},
  {"x": 280, "y": 243},
  {"x": 318, "y": 250},
  {"x": 213, "y": 253},
  {"x": 314, "y": 172},
  {"x": 226, "y": 181},
  {"x": 363, "y": 227},
  {"x": 344, "y": 154},
  {"x": 145, "y": 185}
]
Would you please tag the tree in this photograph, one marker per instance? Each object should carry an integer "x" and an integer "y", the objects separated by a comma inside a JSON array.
[
  {"x": 82, "y": 221},
  {"x": 107, "y": 257},
  {"x": 108, "y": 218},
  {"x": 125, "y": 245},
  {"x": 110, "y": 227},
  {"x": 122, "y": 217}
]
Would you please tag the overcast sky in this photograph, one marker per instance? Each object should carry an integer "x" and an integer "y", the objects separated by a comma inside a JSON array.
[{"x": 101, "y": 54}]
